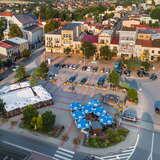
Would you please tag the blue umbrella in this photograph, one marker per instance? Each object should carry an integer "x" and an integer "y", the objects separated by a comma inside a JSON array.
[
  {"x": 99, "y": 111},
  {"x": 83, "y": 124},
  {"x": 88, "y": 109},
  {"x": 75, "y": 106},
  {"x": 106, "y": 119},
  {"x": 78, "y": 114},
  {"x": 94, "y": 102}
]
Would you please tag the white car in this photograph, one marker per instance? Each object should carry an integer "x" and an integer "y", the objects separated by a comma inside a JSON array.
[
  {"x": 15, "y": 68},
  {"x": 88, "y": 69}
]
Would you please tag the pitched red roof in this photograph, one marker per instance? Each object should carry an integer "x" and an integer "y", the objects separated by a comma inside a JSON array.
[
  {"x": 90, "y": 38},
  {"x": 6, "y": 14},
  {"x": 146, "y": 27},
  {"x": 115, "y": 40},
  {"x": 5, "y": 45},
  {"x": 144, "y": 43}
]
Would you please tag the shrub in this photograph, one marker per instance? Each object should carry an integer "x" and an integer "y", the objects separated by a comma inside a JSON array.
[{"x": 132, "y": 95}]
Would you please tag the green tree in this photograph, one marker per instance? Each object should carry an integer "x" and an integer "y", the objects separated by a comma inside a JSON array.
[
  {"x": 67, "y": 51},
  {"x": 106, "y": 53},
  {"x": 51, "y": 26},
  {"x": 2, "y": 28},
  {"x": 88, "y": 49},
  {"x": 37, "y": 123},
  {"x": 48, "y": 120},
  {"x": 33, "y": 80},
  {"x": 155, "y": 13},
  {"x": 44, "y": 70},
  {"x": 114, "y": 78},
  {"x": 15, "y": 31},
  {"x": 146, "y": 65},
  {"x": 132, "y": 95},
  {"x": 40, "y": 72},
  {"x": 29, "y": 112},
  {"x": 26, "y": 53},
  {"x": 2, "y": 107},
  {"x": 20, "y": 73}
]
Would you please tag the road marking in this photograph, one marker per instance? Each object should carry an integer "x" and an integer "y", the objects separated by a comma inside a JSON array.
[
  {"x": 65, "y": 154},
  {"x": 134, "y": 146},
  {"x": 59, "y": 156},
  {"x": 27, "y": 149},
  {"x": 150, "y": 156}
]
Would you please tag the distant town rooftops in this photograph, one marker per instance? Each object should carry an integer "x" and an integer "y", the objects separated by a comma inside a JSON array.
[
  {"x": 70, "y": 26},
  {"x": 90, "y": 38},
  {"x": 20, "y": 95},
  {"x": 144, "y": 31},
  {"x": 115, "y": 40},
  {"x": 144, "y": 43},
  {"x": 110, "y": 32},
  {"x": 6, "y": 14}
]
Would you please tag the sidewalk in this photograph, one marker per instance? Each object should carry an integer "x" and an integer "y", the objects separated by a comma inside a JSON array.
[{"x": 130, "y": 141}]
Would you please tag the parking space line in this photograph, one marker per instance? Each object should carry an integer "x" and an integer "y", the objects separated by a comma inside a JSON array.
[{"x": 150, "y": 156}]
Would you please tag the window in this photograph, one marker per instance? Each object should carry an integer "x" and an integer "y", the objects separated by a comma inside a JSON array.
[
  {"x": 152, "y": 51},
  {"x": 158, "y": 52}
]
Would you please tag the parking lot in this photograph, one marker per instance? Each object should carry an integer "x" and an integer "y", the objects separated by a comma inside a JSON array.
[{"x": 64, "y": 92}]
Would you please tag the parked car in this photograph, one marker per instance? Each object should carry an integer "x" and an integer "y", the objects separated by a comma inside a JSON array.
[
  {"x": 14, "y": 68},
  {"x": 157, "y": 106},
  {"x": 127, "y": 72},
  {"x": 142, "y": 73},
  {"x": 130, "y": 115},
  {"x": 153, "y": 77},
  {"x": 101, "y": 80},
  {"x": 83, "y": 81},
  {"x": 88, "y": 69},
  {"x": 1, "y": 78},
  {"x": 74, "y": 67},
  {"x": 84, "y": 68},
  {"x": 72, "y": 79},
  {"x": 95, "y": 69}
]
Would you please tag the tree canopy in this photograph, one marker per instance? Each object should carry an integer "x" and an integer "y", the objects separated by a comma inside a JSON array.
[
  {"x": 28, "y": 114},
  {"x": 155, "y": 13},
  {"x": 88, "y": 49},
  {"x": 106, "y": 53},
  {"x": 114, "y": 78},
  {"x": 20, "y": 73},
  {"x": 2, "y": 107},
  {"x": 26, "y": 53},
  {"x": 132, "y": 95},
  {"x": 51, "y": 26},
  {"x": 15, "y": 31},
  {"x": 2, "y": 28},
  {"x": 48, "y": 120},
  {"x": 41, "y": 72},
  {"x": 67, "y": 51}
]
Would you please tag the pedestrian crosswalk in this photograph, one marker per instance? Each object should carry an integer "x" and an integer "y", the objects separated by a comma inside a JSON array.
[
  {"x": 122, "y": 155},
  {"x": 63, "y": 154}
]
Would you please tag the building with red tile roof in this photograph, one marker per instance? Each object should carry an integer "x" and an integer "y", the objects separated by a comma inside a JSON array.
[
  {"x": 6, "y": 14},
  {"x": 90, "y": 38},
  {"x": 8, "y": 50},
  {"x": 144, "y": 43}
]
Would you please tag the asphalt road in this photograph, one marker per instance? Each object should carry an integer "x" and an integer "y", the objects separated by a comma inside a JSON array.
[
  {"x": 30, "y": 63},
  {"x": 28, "y": 143},
  {"x": 40, "y": 147}
]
